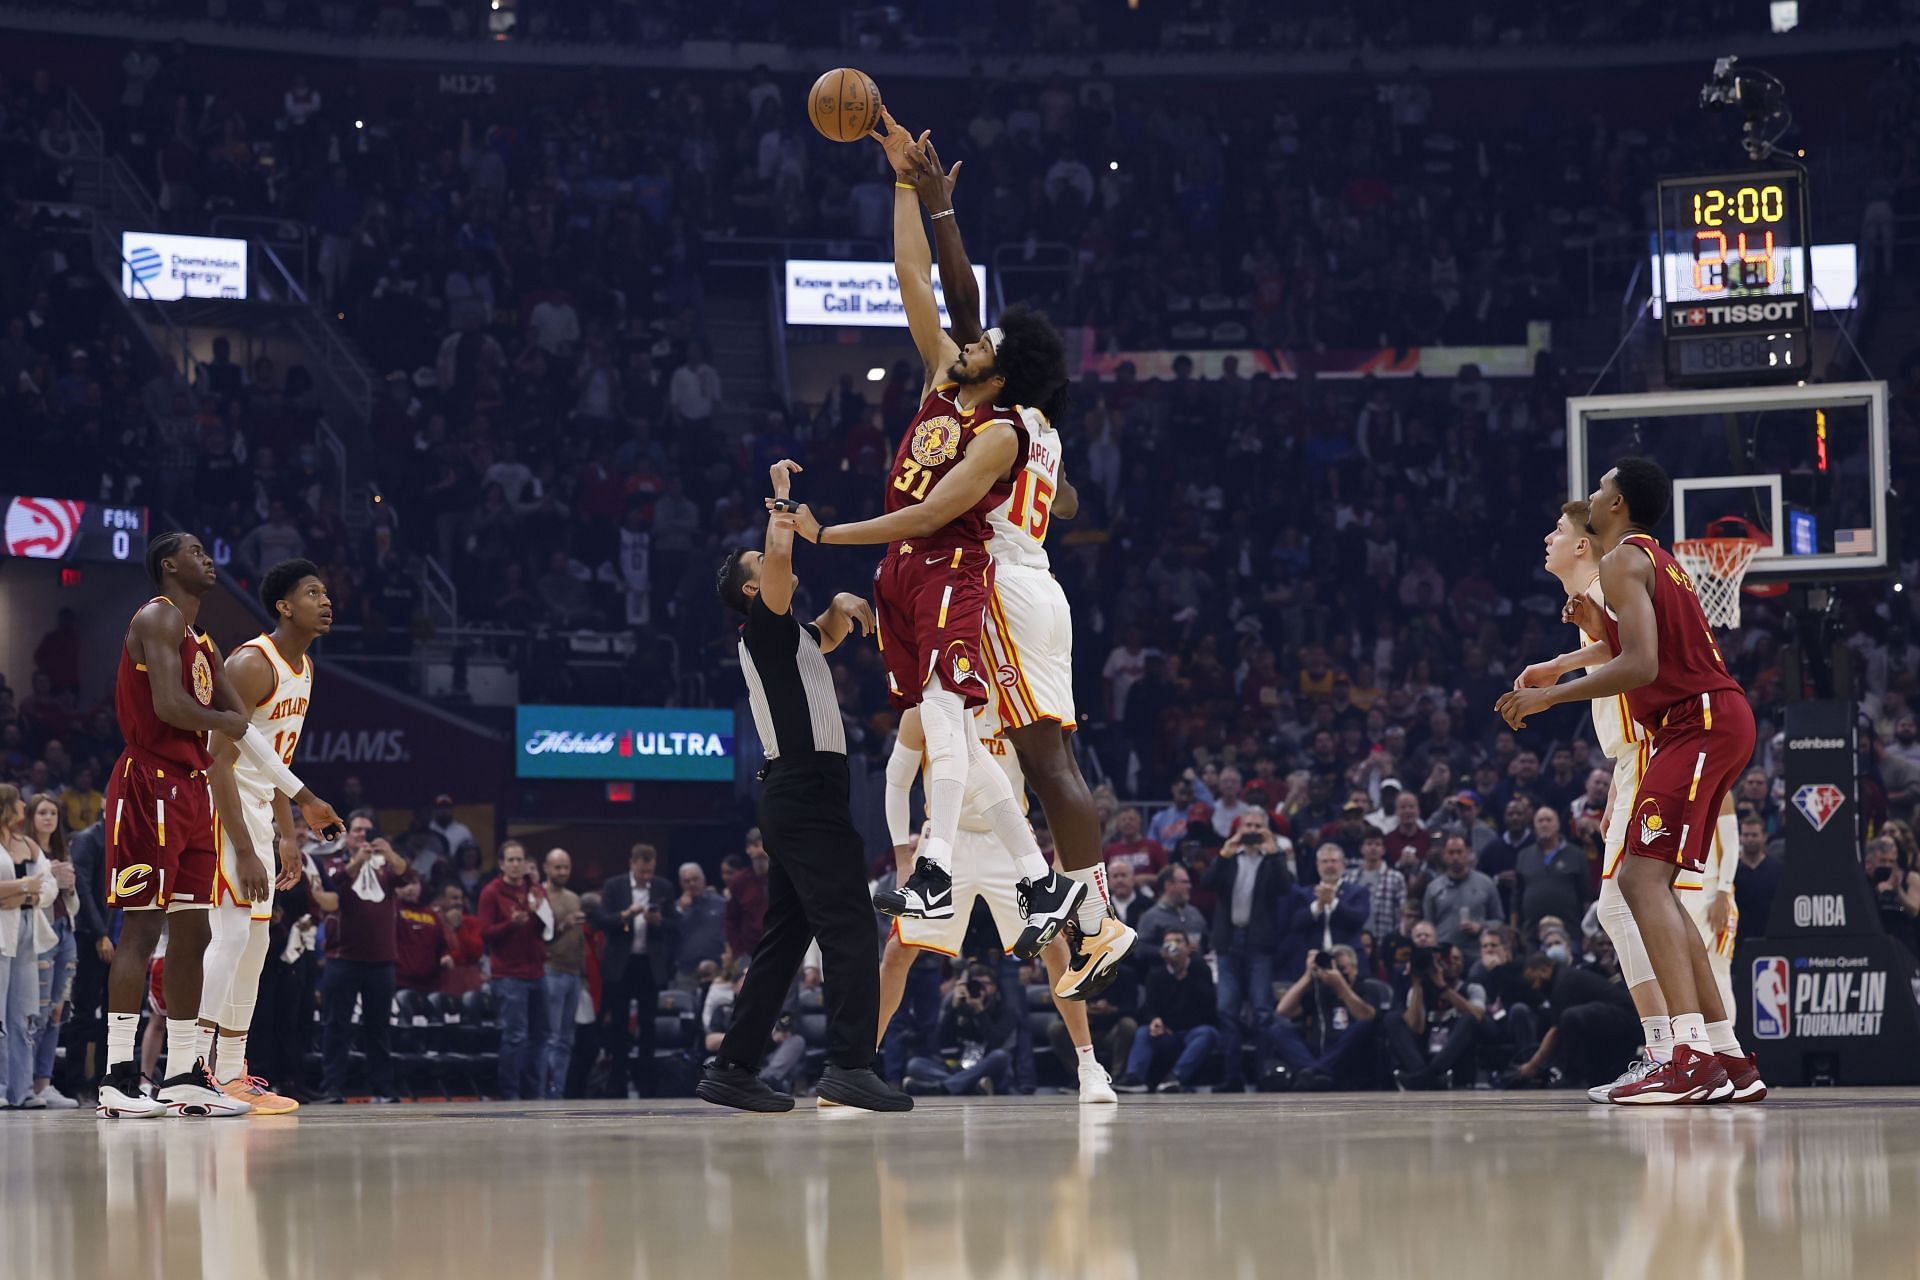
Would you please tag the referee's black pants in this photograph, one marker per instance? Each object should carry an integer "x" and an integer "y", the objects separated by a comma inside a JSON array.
[{"x": 816, "y": 888}]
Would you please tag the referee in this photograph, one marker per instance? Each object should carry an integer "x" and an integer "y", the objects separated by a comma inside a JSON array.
[{"x": 817, "y": 886}]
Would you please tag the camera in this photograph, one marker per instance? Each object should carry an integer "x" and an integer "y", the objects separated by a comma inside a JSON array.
[
  {"x": 1881, "y": 875},
  {"x": 976, "y": 989},
  {"x": 1170, "y": 947},
  {"x": 1324, "y": 960},
  {"x": 1424, "y": 960}
]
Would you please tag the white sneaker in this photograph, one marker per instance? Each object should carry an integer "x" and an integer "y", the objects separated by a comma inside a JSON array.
[
  {"x": 123, "y": 1094},
  {"x": 32, "y": 1102},
  {"x": 1637, "y": 1070},
  {"x": 193, "y": 1093},
  {"x": 1096, "y": 1085},
  {"x": 54, "y": 1100}
]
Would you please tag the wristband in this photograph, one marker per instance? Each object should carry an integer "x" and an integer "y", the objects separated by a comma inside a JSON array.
[
  {"x": 904, "y": 186},
  {"x": 944, "y": 213}
]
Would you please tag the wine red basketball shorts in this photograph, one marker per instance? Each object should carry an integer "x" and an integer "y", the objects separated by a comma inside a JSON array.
[
  {"x": 1699, "y": 750},
  {"x": 930, "y": 605},
  {"x": 162, "y": 848}
]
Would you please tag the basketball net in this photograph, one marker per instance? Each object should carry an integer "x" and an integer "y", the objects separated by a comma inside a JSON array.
[{"x": 1718, "y": 566}]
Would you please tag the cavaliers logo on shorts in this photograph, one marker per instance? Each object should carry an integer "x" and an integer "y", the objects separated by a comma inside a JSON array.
[
  {"x": 1652, "y": 825},
  {"x": 935, "y": 441},
  {"x": 202, "y": 679}
]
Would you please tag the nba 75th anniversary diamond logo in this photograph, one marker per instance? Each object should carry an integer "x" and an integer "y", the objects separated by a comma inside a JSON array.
[{"x": 1818, "y": 802}]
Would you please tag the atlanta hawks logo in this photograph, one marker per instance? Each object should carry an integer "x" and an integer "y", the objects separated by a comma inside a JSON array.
[
  {"x": 202, "y": 680},
  {"x": 935, "y": 441},
  {"x": 1652, "y": 825}
]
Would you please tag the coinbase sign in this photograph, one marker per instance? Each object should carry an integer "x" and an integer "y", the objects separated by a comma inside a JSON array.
[
  {"x": 161, "y": 268},
  {"x": 858, "y": 294},
  {"x": 613, "y": 744}
]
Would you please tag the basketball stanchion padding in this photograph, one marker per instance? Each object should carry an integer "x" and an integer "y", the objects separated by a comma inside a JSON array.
[{"x": 1718, "y": 566}]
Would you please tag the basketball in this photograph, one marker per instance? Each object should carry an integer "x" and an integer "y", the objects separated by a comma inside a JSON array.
[{"x": 844, "y": 104}]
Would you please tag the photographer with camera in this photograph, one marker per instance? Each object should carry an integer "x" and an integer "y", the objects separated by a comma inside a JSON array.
[
  {"x": 1896, "y": 890},
  {"x": 1437, "y": 1031},
  {"x": 1179, "y": 1022},
  {"x": 1589, "y": 1025},
  {"x": 1323, "y": 1025},
  {"x": 1248, "y": 881},
  {"x": 985, "y": 1026}
]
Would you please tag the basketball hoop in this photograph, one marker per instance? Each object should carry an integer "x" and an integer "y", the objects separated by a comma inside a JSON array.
[{"x": 1718, "y": 566}]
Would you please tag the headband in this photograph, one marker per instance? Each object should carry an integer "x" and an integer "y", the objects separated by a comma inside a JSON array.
[{"x": 995, "y": 337}]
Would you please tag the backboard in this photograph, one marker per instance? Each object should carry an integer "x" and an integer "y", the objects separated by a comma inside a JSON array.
[{"x": 1805, "y": 466}]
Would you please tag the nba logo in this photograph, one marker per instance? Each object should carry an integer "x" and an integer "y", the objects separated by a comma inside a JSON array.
[{"x": 1771, "y": 1017}]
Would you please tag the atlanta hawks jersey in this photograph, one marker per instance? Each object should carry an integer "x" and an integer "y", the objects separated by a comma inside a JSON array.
[
  {"x": 281, "y": 715},
  {"x": 1019, "y": 524}
]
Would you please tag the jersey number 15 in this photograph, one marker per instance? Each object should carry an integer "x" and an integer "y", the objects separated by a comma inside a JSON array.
[{"x": 1031, "y": 491}]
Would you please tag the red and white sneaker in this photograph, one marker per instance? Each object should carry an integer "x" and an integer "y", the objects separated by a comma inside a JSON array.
[
  {"x": 1743, "y": 1071},
  {"x": 1692, "y": 1076}
]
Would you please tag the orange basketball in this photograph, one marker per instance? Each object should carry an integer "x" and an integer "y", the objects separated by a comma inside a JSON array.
[{"x": 844, "y": 104}]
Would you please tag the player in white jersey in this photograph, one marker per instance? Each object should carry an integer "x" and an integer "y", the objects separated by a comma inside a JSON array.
[
  {"x": 982, "y": 869},
  {"x": 273, "y": 676},
  {"x": 1708, "y": 897},
  {"x": 1029, "y": 632}
]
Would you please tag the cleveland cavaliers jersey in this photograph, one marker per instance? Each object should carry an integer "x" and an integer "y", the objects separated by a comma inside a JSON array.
[
  {"x": 1691, "y": 667},
  {"x": 281, "y": 715},
  {"x": 935, "y": 441},
  {"x": 1020, "y": 523},
  {"x": 141, "y": 726}
]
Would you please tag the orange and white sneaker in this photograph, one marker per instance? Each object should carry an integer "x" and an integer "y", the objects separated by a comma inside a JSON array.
[
  {"x": 1094, "y": 960},
  {"x": 253, "y": 1090}
]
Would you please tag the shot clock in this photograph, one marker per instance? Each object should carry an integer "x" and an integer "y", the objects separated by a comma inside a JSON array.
[{"x": 1734, "y": 280}]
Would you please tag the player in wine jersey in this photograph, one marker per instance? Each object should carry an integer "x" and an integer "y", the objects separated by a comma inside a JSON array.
[
  {"x": 165, "y": 804},
  {"x": 273, "y": 675},
  {"x": 1029, "y": 630},
  {"x": 981, "y": 871},
  {"x": 958, "y": 460},
  {"x": 1701, "y": 735},
  {"x": 1572, "y": 558}
]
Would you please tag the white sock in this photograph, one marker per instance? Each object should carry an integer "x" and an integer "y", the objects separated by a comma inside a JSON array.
[
  {"x": 203, "y": 1047},
  {"x": 233, "y": 1057},
  {"x": 122, "y": 1030},
  {"x": 1095, "y": 907},
  {"x": 1690, "y": 1029},
  {"x": 1011, "y": 830},
  {"x": 1659, "y": 1034},
  {"x": 1720, "y": 1036},
  {"x": 1085, "y": 1054},
  {"x": 183, "y": 1045}
]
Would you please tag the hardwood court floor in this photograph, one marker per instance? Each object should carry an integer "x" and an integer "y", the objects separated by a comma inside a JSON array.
[{"x": 1484, "y": 1186}]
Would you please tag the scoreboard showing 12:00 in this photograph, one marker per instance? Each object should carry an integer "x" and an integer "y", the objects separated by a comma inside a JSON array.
[
  {"x": 68, "y": 529},
  {"x": 1734, "y": 277}
]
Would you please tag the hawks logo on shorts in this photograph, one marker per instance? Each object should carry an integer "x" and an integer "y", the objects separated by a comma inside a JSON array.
[
  {"x": 935, "y": 441},
  {"x": 1652, "y": 825},
  {"x": 202, "y": 680}
]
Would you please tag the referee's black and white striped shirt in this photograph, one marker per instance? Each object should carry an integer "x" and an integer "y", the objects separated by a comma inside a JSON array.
[{"x": 789, "y": 685}]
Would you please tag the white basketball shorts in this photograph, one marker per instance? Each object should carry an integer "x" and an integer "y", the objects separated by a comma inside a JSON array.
[
  {"x": 1029, "y": 636},
  {"x": 982, "y": 869},
  {"x": 226, "y": 883}
]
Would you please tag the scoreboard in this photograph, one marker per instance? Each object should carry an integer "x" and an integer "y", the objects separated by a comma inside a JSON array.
[
  {"x": 1734, "y": 279},
  {"x": 70, "y": 530}
]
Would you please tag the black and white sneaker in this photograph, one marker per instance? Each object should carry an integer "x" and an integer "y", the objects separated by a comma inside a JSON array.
[
  {"x": 1046, "y": 904},
  {"x": 193, "y": 1093},
  {"x": 123, "y": 1094},
  {"x": 926, "y": 895}
]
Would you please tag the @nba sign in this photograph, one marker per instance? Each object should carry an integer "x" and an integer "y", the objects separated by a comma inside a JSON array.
[
  {"x": 616, "y": 744},
  {"x": 161, "y": 268}
]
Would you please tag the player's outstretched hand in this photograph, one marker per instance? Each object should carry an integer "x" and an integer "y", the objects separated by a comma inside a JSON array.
[
  {"x": 897, "y": 143},
  {"x": 1583, "y": 613},
  {"x": 320, "y": 816},
  {"x": 934, "y": 185},
  {"x": 253, "y": 877},
  {"x": 782, "y": 474},
  {"x": 857, "y": 611},
  {"x": 1515, "y": 706},
  {"x": 1541, "y": 675},
  {"x": 292, "y": 866},
  {"x": 801, "y": 520}
]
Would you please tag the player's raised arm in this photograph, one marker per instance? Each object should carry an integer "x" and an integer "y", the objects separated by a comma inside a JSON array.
[
  {"x": 935, "y": 188},
  {"x": 990, "y": 457},
  {"x": 912, "y": 258}
]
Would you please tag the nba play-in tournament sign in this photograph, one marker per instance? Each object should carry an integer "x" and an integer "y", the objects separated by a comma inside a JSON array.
[
  {"x": 612, "y": 744},
  {"x": 160, "y": 268}
]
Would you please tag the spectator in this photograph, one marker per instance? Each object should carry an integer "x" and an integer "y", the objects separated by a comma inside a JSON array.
[
  {"x": 702, "y": 926},
  {"x": 82, "y": 799},
  {"x": 1228, "y": 807},
  {"x": 1463, "y": 900},
  {"x": 1896, "y": 889},
  {"x": 421, "y": 957},
  {"x": 986, "y": 1027},
  {"x": 1170, "y": 824},
  {"x": 465, "y": 945},
  {"x": 515, "y": 918},
  {"x": 1178, "y": 1013},
  {"x": 1551, "y": 875},
  {"x": 1127, "y": 899},
  {"x": 1590, "y": 1025},
  {"x": 1173, "y": 910},
  {"x": 1501, "y": 859},
  {"x": 1408, "y": 842},
  {"x": 1434, "y": 1037},
  {"x": 565, "y": 975},
  {"x": 1324, "y": 1025},
  {"x": 93, "y": 946},
  {"x": 58, "y": 654},
  {"x": 694, "y": 394},
  {"x": 1144, "y": 855},
  {"x": 453, "y": 833},
  {"x": 1592, "y": 802},
  {"x": 637, "y": 917},
  {"x": 1386, "y": 887},
  {"x": 1111, "y": 1022},
  {"x": 1326, "y": 914},
  {"x": 1757, "y": 878},
  {"x": 746, "y": 876},
  {"x": 1248, "y": 880},
  {"x": 360, "y": 959},
  {"x": 24, "y": 885},
  {"x": 55, "y": 942}
]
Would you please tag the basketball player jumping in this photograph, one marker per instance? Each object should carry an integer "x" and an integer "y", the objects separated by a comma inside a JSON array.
[
  {"x": 981, "y": 870},
  {"x": 959, "y": 459},
  {"x": 170, "y": 693},
  {"x": 1708, "y": 898},
  {"x": 1700, "y": 736},
  {"x": 273, "y": 676},
  {"x": 1029, "y": 627}
]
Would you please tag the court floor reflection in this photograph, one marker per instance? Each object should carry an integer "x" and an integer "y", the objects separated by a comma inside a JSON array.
[{"x": 1822, "y": 1184}]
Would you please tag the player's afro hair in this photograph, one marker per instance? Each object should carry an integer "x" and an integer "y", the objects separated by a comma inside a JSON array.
[
  {"x": 1033, "y": 360},
  {"x": 163, "y": 547},
  {"x": 1646, "y": 488},
  {"x": 280, "y": 581}
]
